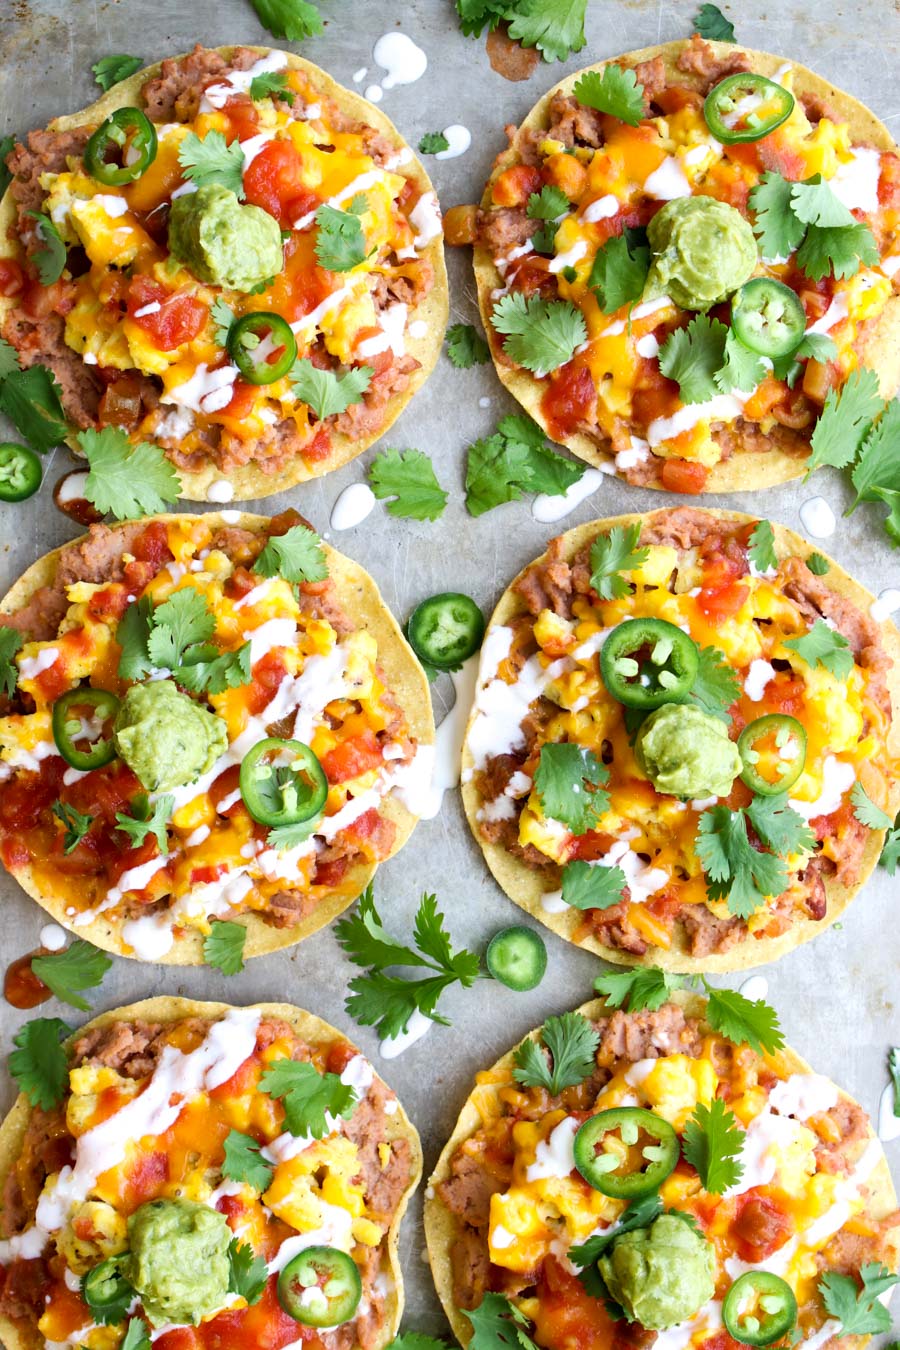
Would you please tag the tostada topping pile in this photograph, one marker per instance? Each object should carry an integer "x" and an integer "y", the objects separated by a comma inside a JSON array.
[
  {"x": 690, "y": 260},
  {"x": 684, "y": 735},
  {"x": 653, "y": 1183},
  {"x": 181, "y": 1180},
  {"x": 231, "y": 269},
  {"x": 200, "y": 731}
]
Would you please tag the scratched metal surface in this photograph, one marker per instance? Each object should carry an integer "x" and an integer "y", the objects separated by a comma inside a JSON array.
[{"x": 836, "y": 996}]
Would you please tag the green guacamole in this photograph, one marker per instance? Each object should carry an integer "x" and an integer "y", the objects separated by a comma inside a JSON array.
[
  {"x": 661, "y": 1275},
  {"x": 223, "y": 242},
  {"x": 703, "y": 250},
  {"x": 178, "y": 1260},
  {"x": 686, "y": 751},
  {"x": 165, "y": 737}
]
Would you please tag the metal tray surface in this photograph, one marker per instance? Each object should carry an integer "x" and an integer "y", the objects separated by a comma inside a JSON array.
[{"x": 837, "y": 996}]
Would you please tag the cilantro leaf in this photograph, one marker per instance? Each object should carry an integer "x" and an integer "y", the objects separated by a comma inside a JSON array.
[
  {"x": 693, "y": 356},
  {"x": 497, "y": 1325},
  {"x": 126, "y": 480},
  {"x": 878, "y": 465},
  {"x": 11, "y": 642},
  {"x": 587, "y": 886},
  {"x": 814, "y": 202},
  {"x": 9, "y": 358},
  {"x": 132, "y": 635},
  {"x": 271, "y": 84},
  {"x": 817, "y": 564},
  {"x": 742, "y": 1020},
  {"x": 147, "y": 819},
  {"x": 734, "y": 869},
  {"x": 822, "y": 646},
  {"x": 408, "y": 477},
  {"x": 466, "y": 347},
  {"x": 569, "y": 780},
  {"x": 77, "y": 825},
  {"x": 866, "y": 811},
  {"x": 712, "y": 1145},
  {"x": 572, "y": 1043},
  {"x": 417, "y": 1340},
  {"x": 308, "y": 1097},
  {"x": 205, "y": 673},
  {"x": 644, "y": 987},
  {"x": 178, "y": 623},
  {"x": 761, "y": 549},
  {"x": 894, "y": 1070},
  {"x": 247, "y": 1273},
  {"x": 776, "y": 227},
  {"x": 212, "y": 161},
  {"x": 31, "y": 400},
  {"x": 223, "y": 317},
  {"x": 741, "y": 369},
  {"x": 326, "y": 392},
  {"x": 243, "y": 1161},
  {"x": 547, "y": 204},
  {"x": 890, "y": 854},
  {"x": 840, "y": 251},
  {"x": 136, "y": 1337},
  {"x": 859, "y": 1311},
  {"x": 716, "y": 684},
  {"x": 614, "y": 90},
  {"x": 296, "y": 555},
  {"x": 639, "y": 1214},
  {"x": 223, "y": 946},
  {"x": 341, "y": 242},
  {"x": 780, "y": 828},
  {"x": 433, "y": 142},
  {"x": 555, "y": 27},
  {"x": 612, "y": 553},
  {"x": 711, "y": 23},
  {"x": 845, "y": 421},
  {"x": 6, "y": 145},
  {"x": 50, "y": 260},
  {"x": 387, "y": 1002},
  {"x": 514, "y": 460},
  {"x": 540, "y": 335},
  {"x": 291, "y": 19},
  {"x": 40, "y": 1064},
  {"x": 619, "y": 273},
  {"x": 109, "y": 70},
  {"x": 78, "y": 966}
]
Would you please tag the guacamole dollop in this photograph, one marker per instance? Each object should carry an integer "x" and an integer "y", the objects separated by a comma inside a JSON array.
[
  {"x": 223, "y": 242},
  {"x": 686, "y": 751},
  {"x": 660, "y": 1275},
  {"x": 178, "y": 1261},
  {"x": 703, "y": 250},
  {"x": 165, "y": 737}
]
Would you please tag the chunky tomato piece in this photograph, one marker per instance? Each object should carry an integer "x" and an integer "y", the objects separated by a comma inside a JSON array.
[
  {"x": 722, "y": 602},
  {"x": 274, "y": 181},
  {"x": 683, "y": 475},
  {"x": 180, "y": 1338},
  {"x": 225, "y": 786},
  {"x": 143, "y": 1179},
  {"x": 331, "y": 873},
  {"x": 373, "y": 835},
  {"x": 25, "y": 797},
  {"x": 319, "y": 447},
  {"x": 38, "y": 301},
  {"x": 785, "y": 694},
  {"x": 243, "y": 115},
  {"x": 568, "y": 399},
  {"x": 515, "y": 185},
  {"x": 340, "y": 1054},
  {"x": 590, "y": 846},
  {"x": 352, "y": 758},
  {"x": 567, "y": 1318},
  {"x": 12, "y": 278},
  {"x": 179, "y": 318},
  {"x": 759, "y": 1227},
  {"x": 152, "y": 545},
  {"x": 268, "y": 672}
]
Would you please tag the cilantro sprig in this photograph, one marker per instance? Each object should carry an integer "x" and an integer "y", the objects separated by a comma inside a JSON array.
[
  {"x": 614, "y": 90},
  {"x": 571, "y": 1042},
  {"x": 711, "y": 23},
  {"x": 433, "y": 142},
  {"x": 296, "y": 555},
  {"x": 890, "y": 854},
  {"x": 247, "y": 1272},
  {"x": 619, "y": 270},
  {"x": 212, "y": 161},
  {"x": 341, "y": 241},
  {"x": 295, "y": 20},
  {"x": 387, "y": 1002},
  {"x": 11, "y": 642},
  {"x": 32, "y": 400},
  {"x": 497, "y": 1324},
  {"x": 76, "y": 824},
  {"x": 244, "y": 1163},
  {"x": 466, "y": 347},
  {"x": 645, "y": 987},
  {"x": 810, "y": 218},
  {"x": 761, "y": 548},
  {"x": 515, "y": 459},
  {"x": 39, "y": 1064},
  {"x": 6, "y": 145},
  {"x": 712, "y": 1145},
  {"x": 540, "y": 335},
  {"x": 147, "y": 819},
  {"x": 110, "y": 70},
  {"x": 639, "y": 1214},
  {"x": 570, "y": 780},
  {"x": 407, "y": 477},
  {"x": 125, "y": 480},
  {"x": 50, "y": 258},
  {"x": 555, "y": 27},
  {"x": 867, "y": 812},
  {"x": 859, "y": 1310},
  {"x": 591, "y": 885},
  {"x": 894, "y": 1071},
  {"x": 326, "y": 392},
  {"x": 78, "y": 966},
  {"x": 613, "y": 553},
  {"x": 824, "y": 647},
  {"x": 271, "y": 84},
  {"x": 223, "y": 946},
  {"x": 309, "y": 1098},
  {"x": 735, "y": 870},
  {"x": 174, "y": 636}
]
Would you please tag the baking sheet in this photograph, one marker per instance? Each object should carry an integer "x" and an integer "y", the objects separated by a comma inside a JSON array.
[{"x": 837, "y": 996}]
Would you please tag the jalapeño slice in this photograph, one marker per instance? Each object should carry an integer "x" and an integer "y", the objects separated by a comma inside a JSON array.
[
  {"x": 642, "y": 1150},
  {"x": 262, "y": 346},
  {"x": 106, "y": 1291},
  {"x": 79, "y": 717},
  {"x": 20, "y": 472},
  {"x": 759, "y": 1308},
  {"x": 746, "y": 107},
  {"x": 446, "y": 629},
  {"x": 773, "y": 753},
  {"x": 768, "y": 317},
  {"x": 130, "y": 138},
  {"x": 320, "y": 1287},
  {"x": 648, "y": 662},
  {"x": 282, "y": 783},
  {"x": 517, "y": 957}
]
